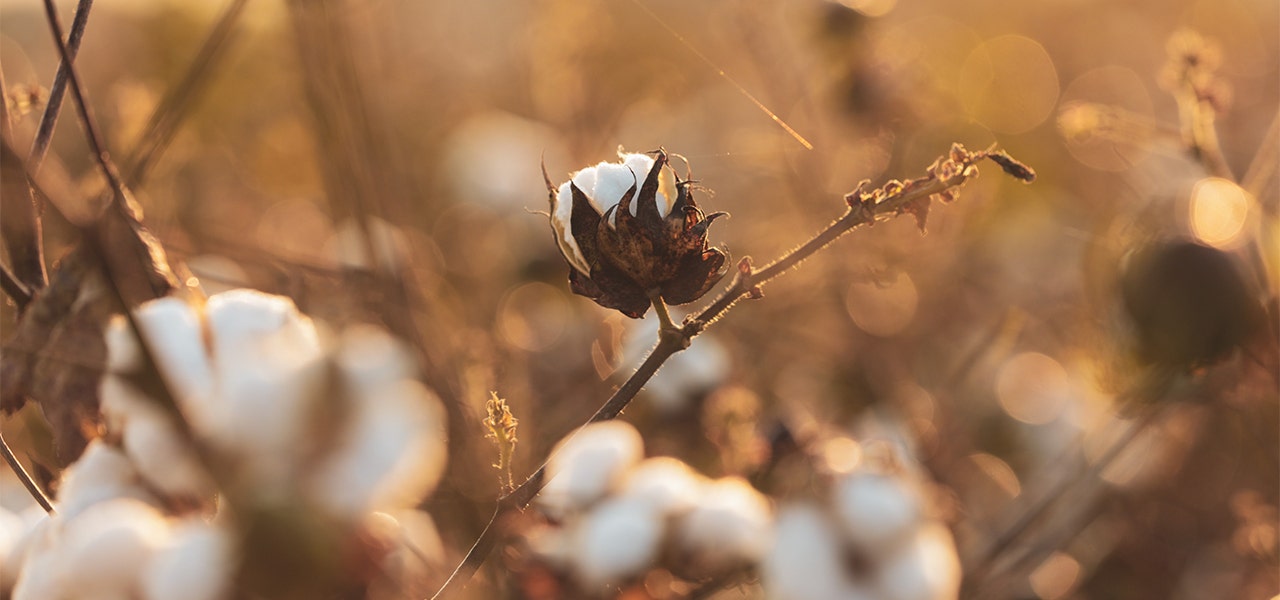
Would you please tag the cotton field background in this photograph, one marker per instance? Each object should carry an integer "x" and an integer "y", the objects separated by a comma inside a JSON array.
[{"x": 330, "y": 312}]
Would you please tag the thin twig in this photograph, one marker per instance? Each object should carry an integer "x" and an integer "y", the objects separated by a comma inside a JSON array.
[
  {"x": 976, "y": 575},
  {"x": 32, "y": 487},
  {"x": 49, "y": 120},
  {"x": 865, "y": 208},
  {"x": 149, "y": 375},
  {"x": 175, "y": 105},
  {"x": 13, "y": 288}
]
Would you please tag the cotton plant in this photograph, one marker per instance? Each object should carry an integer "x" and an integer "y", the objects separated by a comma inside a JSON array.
[
  {"x": 613, "y": 515},
  {"x": 870, "y": 536},
  {"x": 283, "y": 420}
]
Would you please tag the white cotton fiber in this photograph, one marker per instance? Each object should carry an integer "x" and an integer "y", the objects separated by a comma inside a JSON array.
[{"x": 586, "y": 465}]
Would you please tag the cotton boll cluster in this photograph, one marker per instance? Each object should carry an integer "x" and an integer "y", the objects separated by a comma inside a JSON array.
[
  {"x": 615, "y": 516},
  {"x": 286, "y": 421},
  {"x": 872, "y": 538}
]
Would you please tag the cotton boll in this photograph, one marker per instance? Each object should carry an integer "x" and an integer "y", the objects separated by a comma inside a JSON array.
[
  {"x": 102, "y": 473},
  {"x": 391, "y": 453},
  {"x": 876, "y": 510},
  {"x": 587, "y": 464},
  {"x": 34, "y": 521},
  {"x": 196, "y": 563},
  {"x": 617, "y": 540},
  {"x": 39, "y": 577},
  {"x": 103, "y": 549},
  {"x": 124, "y": 355},
  {"x": 269, "y": 369},
  {"x": 12, "y": 530},
  {"x": 804, "y": 562},
  {"x": 665, "y": 483},
  {"x": 729, "y": 525},
  {"x": 173, "y": 333},
  {"x": 926, "y": 568},
  {"x": 163, "y": 457}
]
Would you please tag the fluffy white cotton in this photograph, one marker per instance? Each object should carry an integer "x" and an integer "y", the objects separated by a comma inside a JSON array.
[
  {"x": 391, "y": 452},
  {"x": 804, "y": 562},
  {"x": 604, "y": 185},
  {"x": 664, "y": 483},
  {"x": 617, "y": 540},
  {"x": 269, "y": 370},
  {"x": 926, "y": 568},
  {"x": 195, "y": 563},
  {"x": 586, "y": 465},
  {"x": 727, "y": 527},
  {"x": 101, "y": 551},
  {"x": 164, "y": 458},
  {"x": 12, "y": 530},
  {"x": 38, "y": 577},
  {"x": 102, "y": 473},
  {"x": 876, "y": 510},
  {"x": 151, "y": 440}
]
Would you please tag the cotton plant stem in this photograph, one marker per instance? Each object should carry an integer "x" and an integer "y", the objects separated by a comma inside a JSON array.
[
  {"x": 32, "y": 487},
  {"x": 747, "y": 282},
  {"x": 49, "y": 120},
  {"x": 983, "y": 565}
]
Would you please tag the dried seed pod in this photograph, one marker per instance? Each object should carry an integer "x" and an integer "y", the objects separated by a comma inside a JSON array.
[{"x": 627, "y": 248}]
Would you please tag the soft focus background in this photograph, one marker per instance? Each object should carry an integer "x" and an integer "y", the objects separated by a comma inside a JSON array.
[{"x": 993, "y": 347}]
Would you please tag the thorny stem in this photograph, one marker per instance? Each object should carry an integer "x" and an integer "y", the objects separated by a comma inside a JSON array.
[
  {"x": 660, "y": 309},
  {"x": 49, "y": 120},
  {"x": 886, "y": 203}
]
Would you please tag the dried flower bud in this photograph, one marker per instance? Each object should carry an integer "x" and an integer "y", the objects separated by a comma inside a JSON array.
[{"x": 627, "y": 246}]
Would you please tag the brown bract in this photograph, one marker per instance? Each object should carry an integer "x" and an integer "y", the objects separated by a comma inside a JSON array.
[{"x": 634, "y": 258}]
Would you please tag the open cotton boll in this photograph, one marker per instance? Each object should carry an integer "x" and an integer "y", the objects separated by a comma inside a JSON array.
[
  {"x": 269, "y": 368},
  {"x": 926, "y": 568},
  {"x": 665, "y": 483},
  {"x": 587, "y": 464},
  {"x": 804, "y": 561},
  {"x": 618, "y": 539},
  {"x": 391, "y": 452},
  {"x": 163, "y": 457},
  {"x": 37, "y": 576},
  {"x": 102, "y": 473},
  {"x": 876, "y": 510},
  {"x": 12, "y": 529},
  {"x": 728, "y": 526},
  {"x": 34, "y": 521},
  {"x": 103, "y": 549},
  {"x": 196, "y": 563},
  {"x": 603, "y": 185},
  {"x": 172, "y": 329}
]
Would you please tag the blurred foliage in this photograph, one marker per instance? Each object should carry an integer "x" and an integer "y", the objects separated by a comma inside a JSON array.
[{"x": 996, "y": 345}]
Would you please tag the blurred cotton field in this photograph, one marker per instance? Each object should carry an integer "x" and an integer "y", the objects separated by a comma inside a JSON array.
[{"x": 331, "y": 325}]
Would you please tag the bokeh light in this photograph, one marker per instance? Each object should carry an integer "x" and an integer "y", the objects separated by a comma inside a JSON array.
[
  {"x": 1033, "y": 388},
  {"x": 1009, "y": 84},
  {"x": 1219, "y": 212},
  {"x": 883, "y": 308}
]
